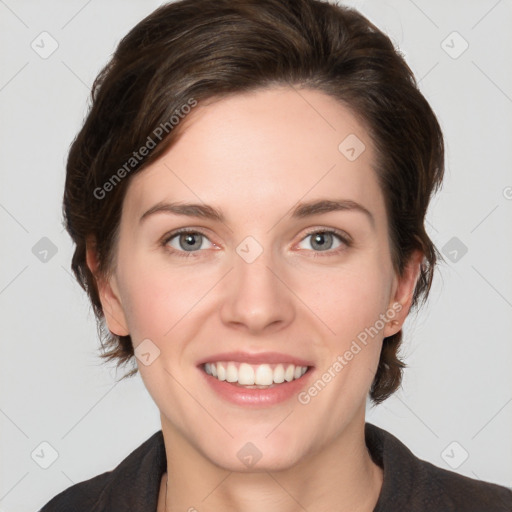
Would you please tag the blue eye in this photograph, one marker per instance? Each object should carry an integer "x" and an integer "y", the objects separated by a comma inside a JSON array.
[
  {"x": 188, "y": 241},
  {"x": 324, "y": 240}
]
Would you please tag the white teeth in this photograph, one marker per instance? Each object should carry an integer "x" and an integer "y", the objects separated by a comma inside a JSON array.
[
  {"x": 249, "y": 375},
  {"x": 245, "y": 375},
  {"x": 288, "y": 374},
  {"x": 264, "y": 375},
  {"x": 221, "y": 372},
  {"x": 231, "y": 373},
  {"x": 279, "y": 374}
]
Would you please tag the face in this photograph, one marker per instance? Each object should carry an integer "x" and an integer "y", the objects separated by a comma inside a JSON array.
[{"x": 267, "y": 283}]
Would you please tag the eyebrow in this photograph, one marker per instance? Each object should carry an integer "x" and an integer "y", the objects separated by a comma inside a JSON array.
[{"x": 302, "y": 210}]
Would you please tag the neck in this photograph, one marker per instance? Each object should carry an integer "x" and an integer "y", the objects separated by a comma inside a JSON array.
[{"x": 341, "y": 476}]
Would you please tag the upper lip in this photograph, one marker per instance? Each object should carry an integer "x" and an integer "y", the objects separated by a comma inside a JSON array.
[{"x": 255, "y": 358}]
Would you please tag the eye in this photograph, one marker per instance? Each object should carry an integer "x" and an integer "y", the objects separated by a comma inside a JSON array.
[
  {"x": 325, "y": 240},
  {"x": 185, "y": 241}
]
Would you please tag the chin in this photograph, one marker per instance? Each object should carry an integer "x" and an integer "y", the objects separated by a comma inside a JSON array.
[
  {"x": 256, "y": 461},
  {"x": 253, "y": 454}
]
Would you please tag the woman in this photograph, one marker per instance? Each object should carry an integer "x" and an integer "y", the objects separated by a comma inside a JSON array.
[{"x": 247, "y": 197}]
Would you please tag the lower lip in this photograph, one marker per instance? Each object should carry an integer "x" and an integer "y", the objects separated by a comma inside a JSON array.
[{"x": 257, "y": 397}]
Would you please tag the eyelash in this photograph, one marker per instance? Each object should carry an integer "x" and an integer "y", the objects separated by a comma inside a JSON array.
[{"x": 316, "y": 254}]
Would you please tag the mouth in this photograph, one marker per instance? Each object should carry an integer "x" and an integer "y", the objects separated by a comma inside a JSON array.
[
  {"x": 256, "y": 379},
  {"x": 254, "y": 376}
]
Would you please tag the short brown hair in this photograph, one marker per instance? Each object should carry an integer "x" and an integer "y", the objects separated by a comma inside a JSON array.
[{"x": 205, "y": 50}]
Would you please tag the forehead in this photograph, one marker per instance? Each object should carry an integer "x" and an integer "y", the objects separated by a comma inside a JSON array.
[{"x": 263, "y": 151}]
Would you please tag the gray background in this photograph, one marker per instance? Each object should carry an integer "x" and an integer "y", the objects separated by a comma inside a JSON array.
[{"x": 455, "y": 408}]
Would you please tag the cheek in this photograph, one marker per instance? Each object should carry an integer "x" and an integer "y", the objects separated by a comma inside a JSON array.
[
  {"x": 351, "y": 306},
  {"x": 349, "y": 298},
  {"x": 157, "y": 297}
]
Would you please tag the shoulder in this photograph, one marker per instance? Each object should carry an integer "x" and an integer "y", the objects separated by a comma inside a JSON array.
[
  {"x": 414, "y": 484},
  {"x": 84, "y": 495},
  {"x": 133, "y": 483},
  {"x": 465, "y": 493}
]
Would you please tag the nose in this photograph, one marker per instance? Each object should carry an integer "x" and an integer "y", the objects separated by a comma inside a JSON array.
[{"x": 258, "y": 299}]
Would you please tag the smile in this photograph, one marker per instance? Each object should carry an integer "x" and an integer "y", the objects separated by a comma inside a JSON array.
[{"x": 254, "y": 375}]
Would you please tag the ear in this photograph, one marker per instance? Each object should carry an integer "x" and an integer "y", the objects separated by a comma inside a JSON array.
[
  {"x": 108, "y": 293},
  {"x": 403, "y": 293}
]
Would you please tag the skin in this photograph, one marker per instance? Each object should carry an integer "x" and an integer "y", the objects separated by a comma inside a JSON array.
[{"x": 254, "y": 156}]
